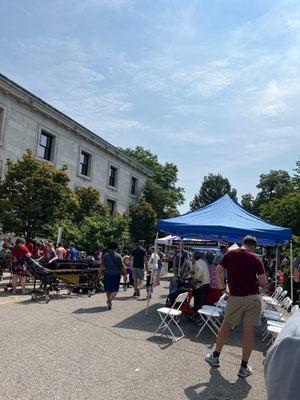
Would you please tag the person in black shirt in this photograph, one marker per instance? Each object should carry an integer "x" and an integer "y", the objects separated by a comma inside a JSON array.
[{"x": 139, "y": 261}]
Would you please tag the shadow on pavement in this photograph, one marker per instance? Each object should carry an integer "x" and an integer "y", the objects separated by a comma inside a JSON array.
[
  {"x": 163, "y": 342},
  {"x": 90, "y": 310},
  {"x": 218, "y": 388}
]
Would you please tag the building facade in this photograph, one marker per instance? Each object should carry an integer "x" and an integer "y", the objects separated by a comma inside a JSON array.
[{"x": 28, "y": 122}]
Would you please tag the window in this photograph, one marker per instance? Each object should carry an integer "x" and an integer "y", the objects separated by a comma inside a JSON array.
[
  {"x": 113, "y": 171},
  {"x": 1, "y": 121},
  {"x": 84, "y": 163},
  {"x": 133, "y": 186},
  {"x": 45, "y": 146},
  {"x": 111, "y": 204}
]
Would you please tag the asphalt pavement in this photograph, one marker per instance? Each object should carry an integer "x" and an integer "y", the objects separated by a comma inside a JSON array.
[{"x": 74, "y": 348}]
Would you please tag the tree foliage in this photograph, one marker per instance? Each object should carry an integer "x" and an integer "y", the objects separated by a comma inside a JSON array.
[
  {"x": 86, "y": 203},
  {"x": 142, "y": 221},
  {"x": 247, "y": 201},
  {"x": 96, "y": 229},
  {"x": 274, "y": 185},
  {"x": 33, "y": 196},
  {"x": 213, "y": 187},
  {"x": 161, "y": 190},
  {"x": 284, "y": 211}
]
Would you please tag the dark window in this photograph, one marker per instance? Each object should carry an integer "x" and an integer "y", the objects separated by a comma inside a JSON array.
[
  {"x": 113, "y": 176},
  {"x": 45, "y": 147},
  {"x": 111, "y": 204},
  {"x": 133, "y": 186},
  {"x": 84, "y": 163}
]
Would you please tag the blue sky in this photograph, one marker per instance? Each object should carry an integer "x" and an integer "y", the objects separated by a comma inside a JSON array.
[{"x": 211, "y": 85}]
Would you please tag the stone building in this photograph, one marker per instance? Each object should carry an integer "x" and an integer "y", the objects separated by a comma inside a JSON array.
[{"x": 28, "y": 122}]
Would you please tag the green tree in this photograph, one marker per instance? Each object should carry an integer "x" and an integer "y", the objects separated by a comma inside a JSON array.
[
  {"x": 213, "y": 187},
  {"x": 96, "y": 229},
  {"x": 297, "y": 175},
  {"x": 33, "y": 196},
  {"x": 160, "y": 190},
  {"x": 86, "y": 203},
  {"x": 142, "y": 222},
  {"x": 247, "y": 201},
  {"x": 284, "y": 211},
  {"x": 274, "y": 185}
]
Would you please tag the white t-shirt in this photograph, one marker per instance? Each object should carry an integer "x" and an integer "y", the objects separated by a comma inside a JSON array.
[
  {"x": 201, "y": 272},
  {"x": 153, "y": 261}
]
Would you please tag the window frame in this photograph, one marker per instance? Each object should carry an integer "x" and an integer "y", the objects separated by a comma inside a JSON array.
[
  {"x": 84, "y": 167},
  {"x": 3, "y": 114},
  {"x": 51, "y": 148},
  {"x": 116, "y": 177},
  {"x": 134, "y": 178},
  {"x": 90, "y": 166},
  {"x": 114, "y": 210}
]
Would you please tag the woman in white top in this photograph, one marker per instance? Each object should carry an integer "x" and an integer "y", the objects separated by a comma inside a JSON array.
[
  {"x": 200, "y": 281},
  {"x": 152, "y": 266}
]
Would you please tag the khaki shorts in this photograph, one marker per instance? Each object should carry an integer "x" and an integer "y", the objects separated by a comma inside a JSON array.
[
  {"x": 138, "y": 274},
  {"x": 243, "y": 310}
]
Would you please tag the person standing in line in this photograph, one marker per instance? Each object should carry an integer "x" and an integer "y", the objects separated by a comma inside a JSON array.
[
  {"x": 152, "y": 270},
  {"x": 73, "y": 252},
  {"x": 245, "y": 271},
  {"x": 200, "y": 281},
  {"x": 160, "y": 264},
  {"x": 139, "y": 262},
  {"x": 19, "y": 254},
  {"x": 60, "y": 252},
  {"x": 51, "y": 253},
  {"x": 113, "y": 269}
]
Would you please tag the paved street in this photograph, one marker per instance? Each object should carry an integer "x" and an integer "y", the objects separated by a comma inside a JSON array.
[{"x": 73, "y": 348}]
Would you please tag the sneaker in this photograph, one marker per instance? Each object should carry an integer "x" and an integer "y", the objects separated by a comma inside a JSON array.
[
  {"x": 244, "y": 372},
  {"x": 109, "y": 305},
  {"x": 213, "y": 361},
  {"x": 13, "y": 293},
  {"x": 25, "y": 291}
]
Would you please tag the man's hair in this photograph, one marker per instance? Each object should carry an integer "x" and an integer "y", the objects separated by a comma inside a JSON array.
[
  {"x": 59, "y": 244},
  {"x": 113, "y": 246},
  {"x": 72, "y": 244},
  {"x": 250, "y": 241},
  {"x": 141, "y": 242},
  {"x": 19, "y": 241}
]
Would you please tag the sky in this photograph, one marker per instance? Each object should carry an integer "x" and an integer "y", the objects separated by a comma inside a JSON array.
[{"x": 210, "y": 85}]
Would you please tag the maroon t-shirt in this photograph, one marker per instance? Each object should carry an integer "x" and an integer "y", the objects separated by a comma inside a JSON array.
[{"x": 242, "y": 267}]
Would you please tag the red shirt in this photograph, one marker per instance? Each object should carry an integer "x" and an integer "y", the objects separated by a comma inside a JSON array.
[
  {"x": 30, "y": 247},
  {"x": 242, "y": 267},
  {"x": 19, "y": 252}
]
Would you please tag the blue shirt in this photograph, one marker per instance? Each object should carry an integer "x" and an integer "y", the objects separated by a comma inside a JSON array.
[
  {"x": 113, "y": 263},
  {"x": 73, "y": 254}
]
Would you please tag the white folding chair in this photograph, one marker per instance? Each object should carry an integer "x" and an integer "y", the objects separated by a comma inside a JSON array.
[
  {"x": 276, "y": 302},
  {"x": 275, "y": 294},
  {"x": 171, "y": 315},
  {"x": 211, "y": 316},
  {"x": 277, "y": 315},
  {"x": 274, "y": 327}
]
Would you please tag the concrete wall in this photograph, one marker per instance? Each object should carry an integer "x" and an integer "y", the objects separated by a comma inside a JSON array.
[{"x": 20, "y": 129}]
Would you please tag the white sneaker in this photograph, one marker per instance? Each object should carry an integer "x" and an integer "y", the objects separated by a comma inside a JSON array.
[
  {"x": 213, "y": 361},
  {"x": 244, "y": 372}
]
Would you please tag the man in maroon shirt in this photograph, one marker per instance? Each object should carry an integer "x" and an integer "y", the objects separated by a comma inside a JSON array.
[{"x": 245, "y": 272}]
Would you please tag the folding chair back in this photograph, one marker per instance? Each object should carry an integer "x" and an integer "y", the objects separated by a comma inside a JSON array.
[
  {"x": 282, "y": 295},
  {"x": 277, "y": 292},
  {"x": 287, "y": 303},
  {"x": 180, "y": 299}
]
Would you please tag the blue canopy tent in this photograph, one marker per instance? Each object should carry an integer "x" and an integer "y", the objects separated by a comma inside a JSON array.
[{"x": 226, "y": 220}]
